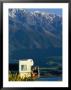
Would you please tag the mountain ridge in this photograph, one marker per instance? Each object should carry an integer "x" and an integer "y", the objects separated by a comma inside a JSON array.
[{"x": 34, "y": 31}]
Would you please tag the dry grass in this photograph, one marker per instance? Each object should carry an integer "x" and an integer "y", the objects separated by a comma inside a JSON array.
[{"x": 16, "y": 77}]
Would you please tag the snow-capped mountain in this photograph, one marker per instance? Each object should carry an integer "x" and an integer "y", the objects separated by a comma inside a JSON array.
[{"x": 34, "y": 30}]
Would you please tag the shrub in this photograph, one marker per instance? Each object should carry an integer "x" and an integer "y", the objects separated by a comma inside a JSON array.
[{"x": 16, "y": 77}]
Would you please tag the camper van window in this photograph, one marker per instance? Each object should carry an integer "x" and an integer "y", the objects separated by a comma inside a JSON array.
[{"x": 23, "y": 67}]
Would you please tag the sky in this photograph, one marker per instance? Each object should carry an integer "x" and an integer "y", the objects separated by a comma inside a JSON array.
[{"x": 53, "y": 11}]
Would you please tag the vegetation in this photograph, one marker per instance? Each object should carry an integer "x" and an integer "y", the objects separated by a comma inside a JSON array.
[{"x": 16, "y": 77}]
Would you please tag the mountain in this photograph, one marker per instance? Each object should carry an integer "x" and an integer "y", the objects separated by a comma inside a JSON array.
[{"x": 33, "y": 33}]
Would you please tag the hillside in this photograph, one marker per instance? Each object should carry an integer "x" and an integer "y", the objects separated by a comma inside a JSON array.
[{"x": 34, "y": 34}]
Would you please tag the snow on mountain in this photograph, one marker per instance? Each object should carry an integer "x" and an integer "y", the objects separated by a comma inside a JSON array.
[
  {"x": 33, "y": 30},
  {"x": 41, "y": 30}
]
